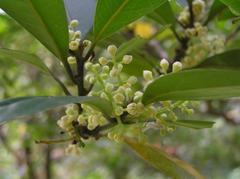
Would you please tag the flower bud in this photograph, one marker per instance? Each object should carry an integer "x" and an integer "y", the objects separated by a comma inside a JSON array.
[
  {"x": 105, "y": 69},
  {"x": 103, "y": 61},
  {"x": 147, "y": 75},
  {"x": 71, "y": 34},
  {"x": 96, "y": 67},
  {"x": 119, "y": 67},
  {"x": 88, "y": 65},
  {"x": 132, "y": 109},
  {"x": 112, "y": 50},
  {"x": 87, "y": 43},
  {"x": 132, "y": 80},
  {"x": 114, "y": 72},
  {"x": 119, "y": 98},
  {"x": 118, "y": 110},
  {"x": 109, "y": 87},
  {"x": 77, "y": 34},
  {"x": 127, "y": 59},
  {"x": 177, "y": 66},
  {"x": 198, "y": 7},
  {"x": 92, "y": 80},
  {"x": 74, "y": 23},
  {"x": 71, "y": 60},
  {"x": 164, "y": 64},
  {"x": 73, "y": 45}
]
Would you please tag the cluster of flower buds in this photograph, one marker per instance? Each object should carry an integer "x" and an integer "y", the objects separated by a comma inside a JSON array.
[
  {"x": 203, "y": 47},
  {"x": 75, "y": 41},
  {"x": 198, "y": 9},
  {"x": 196, "y": 31},
  {"x": 108, "y": 81}
]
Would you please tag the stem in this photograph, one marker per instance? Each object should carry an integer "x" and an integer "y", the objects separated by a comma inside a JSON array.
[{"x": 48, "y": 162}]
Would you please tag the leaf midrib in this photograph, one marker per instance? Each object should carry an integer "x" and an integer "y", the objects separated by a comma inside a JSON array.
[
  {"x": 188, "y": 90},
  {"x": 111, "y": 19}
]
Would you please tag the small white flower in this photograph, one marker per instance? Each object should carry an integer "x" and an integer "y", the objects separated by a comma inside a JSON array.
[{"x": 132, "y": 80}]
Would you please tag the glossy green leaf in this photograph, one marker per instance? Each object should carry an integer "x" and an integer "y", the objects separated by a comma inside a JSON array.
[
  {"x": 234, "y": 5},
  {"x": 45, "y": 19},
  {"x": 199, "y": 84},
  {"x": 113, "y": 15},
  {"x": 6, "y": 54},
  {"x": 166, "y": 164},
  {"x": 229, "y": 60},
  {"x": 23, "y": 106},
  {"x": 195, "y": 124},
  {"x": 164, "y": 14}
]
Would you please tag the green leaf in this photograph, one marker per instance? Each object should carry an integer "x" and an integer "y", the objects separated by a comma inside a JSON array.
[
  {"x": 23, "y": 106},
  {"x": 226, "y": 60},
  {"x": 195, "y": 124},
  {"x": 167, "y": 165},
  {"x": 138, "y": 65},
  {"x": 234, "y": 5},
  {"x": 130, "y": 46},
  {"x": 164, "y": 14},
  {"x": 6, "y": 54},
  {"x": 113, "y": 15},
  {"x": 45, "y": 19},
  {"x": 199, "y": 84},
  {"x": 216, "y": 8}
]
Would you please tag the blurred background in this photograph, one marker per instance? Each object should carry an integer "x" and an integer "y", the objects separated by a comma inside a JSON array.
[{"x": 214, "y": 152}]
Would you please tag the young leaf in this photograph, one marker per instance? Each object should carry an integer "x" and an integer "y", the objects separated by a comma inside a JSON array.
[
  {"x": 226, "y": 60},
  {"x": 25, "y": 57},
  {"x": 113, "y": 15},
  {"x": 199, "y": 84},
  {"x": 23, "y": 106},
  {"x": 195, "y": 124},
  {"x": 45, "y": 19},
  {"x": 169, "y": 166},
  {"x": 234, "y": 5}
]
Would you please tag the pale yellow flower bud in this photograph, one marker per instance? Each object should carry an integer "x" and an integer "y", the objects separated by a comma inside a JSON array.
[
  {"x": 147, "y": 75},
  {"x": 119, "y": 98},
  {"x": 127, "y": 59},
  {"x": 132, "y": 80},
  {"x": 164, "y": 64},
  {"x": 109, "y": 87},
  {"x": 112, "y": 50},
  {"x": 74, "y": 23},
  {"x": 73, "y": 45},
  {"x": 103, "y": 61},
  {"x": 177, "y": 66},
  {"x": 72, "y": 60}
]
